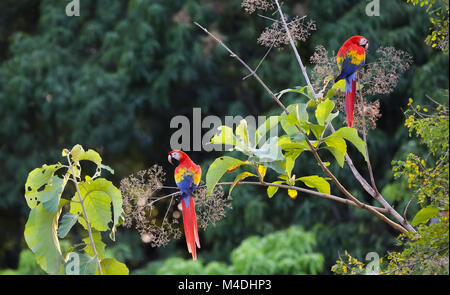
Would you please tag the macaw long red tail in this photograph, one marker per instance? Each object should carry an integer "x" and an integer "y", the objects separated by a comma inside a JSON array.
[
  {"x": 350, "y": 87},
  {"x": 190, "y": 226}
]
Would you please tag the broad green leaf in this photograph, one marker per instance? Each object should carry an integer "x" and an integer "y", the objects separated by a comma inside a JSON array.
[
  {"x": 324, "y": 110},
  {"x": 331, "y": 117},
  {"x": 89, "y": 155},
  {"x": 290, "y": 161},
  {"x": 338, "y": 87},
  {"x": 51, "y": 194},
  {"x": 316, "y": 182},
  {"x": 262, "y": 130},
  {"x": 36, "y": 181},
  {"x": 76, "y": 151},
  {"x": 232, "y": 168},
  {"x": 286, "y": 144},
  {"x": 424, "y": 215},
  {"x": 338, "y": 147},
  {"x": 304, "y": 90},
  {"x": 68, "y": 220},
  {"x": 298, "y": 116},
  {"x": 100, "y": 193},
  {"x": 269, "y": 152},
  {"x": 107, "y": 168},
  {"x": 41, "y": 236},
  {"x": 272, "y": 190},
  {"x": 298, "y": 137},
  {"x": 99, "y": 245},
  {"x": 351, "y": 135},
  {"x": 98, "y": 210},
  {"x": 79, "y": 154},
  {"x": 225, "y": 136},
  {"x": 316, "y": 129},
  {"x": 240, "y": 177},
  {"x": 217, "y": 169},
  {"x": 277, "y": 166},
  {"x": 110, "y": 266},
  {"x": 242, "y": 132},
  {"x": 262, "y": 170}
]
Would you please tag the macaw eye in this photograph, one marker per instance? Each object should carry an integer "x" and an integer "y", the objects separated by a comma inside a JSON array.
[{"x": 363, "y": 42}]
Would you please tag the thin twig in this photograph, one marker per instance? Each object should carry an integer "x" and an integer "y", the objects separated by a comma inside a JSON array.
[
  {"x": 245, "y": 65},
  {"x": 260, "y": 62},
  {"x": 369, "y": 165},
  {"x": 291, "y": 40},
  {"x": 406, "y": 210}
]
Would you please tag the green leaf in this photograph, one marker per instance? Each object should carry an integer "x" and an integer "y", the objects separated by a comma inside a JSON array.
[
  {"x": 324, "y": 110},
  {"x": 424, "y": 215},
  {"x": 338, "y": 87},
  {"x": 218, "y": 169},
  {"x": 298, "y": 116},
  {"x": 110, "y": 266},
  {"x": 240, "y": 177},
  {"x": 272, "y": 190},
  {"x": 338, "y": 147},
  {"x": 98, "y": 210},
  {"x": 290, "y": 161},
  {"x": 68, "y": 220},
  {"x": 89, "y": 155},
  {"x": 51, "y": 194},
  {"x": 262, "y": 130},
  {"x": 107, "y": 168},
  {"x": 78, "y": 154},
  {"x": 225, "y": 136},
  {"x": 286, "y": 144},
  {"x": 316, "y": 129},
  {"x": 99, "y": 245},
  {"x": 36, "y": 181},
  {"x": 277, "y": 166},
  {"x": 242, "y": 132},
  {"x": 262, "y": 170},
  {"x": 351, "y": 135},
  {"x": 304, "y": 90},
  {"x": 100, "y": 193},
  {"x": 41, "y": 236},
  {"x": 269, "y": 152},
  {"x": 316, "y": 182}
]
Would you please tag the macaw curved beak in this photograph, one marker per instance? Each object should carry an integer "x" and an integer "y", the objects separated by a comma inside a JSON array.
[
  {"x": 367, "y": 46},
  {"x": 169, "y": 158}
]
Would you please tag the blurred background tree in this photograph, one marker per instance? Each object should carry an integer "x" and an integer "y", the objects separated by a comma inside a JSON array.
[{"x": 125, "y": 68}]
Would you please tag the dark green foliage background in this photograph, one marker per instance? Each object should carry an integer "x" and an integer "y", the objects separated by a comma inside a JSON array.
[{"x": 113, "y": 78}]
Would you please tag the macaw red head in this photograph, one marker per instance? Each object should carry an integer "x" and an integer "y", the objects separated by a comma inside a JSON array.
[
  {"x": 360, "y": 41},
  {"x": 177, "y": 155}
]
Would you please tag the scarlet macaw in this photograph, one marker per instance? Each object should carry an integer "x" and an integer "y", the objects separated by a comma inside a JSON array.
[
  {"x": 187, "y": 178},
  {"x": 350, "y": 58}
]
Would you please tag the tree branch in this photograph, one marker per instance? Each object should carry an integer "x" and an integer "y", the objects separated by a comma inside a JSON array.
[
  {"x": 312, "y": 149},
  {"x": 299, "y": 60}
]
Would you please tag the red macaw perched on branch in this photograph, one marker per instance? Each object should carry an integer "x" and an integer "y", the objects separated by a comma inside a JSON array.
[
  {"x": 350, "y": 58},
  {"x": 187, "y": 178}
]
